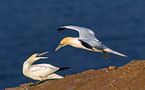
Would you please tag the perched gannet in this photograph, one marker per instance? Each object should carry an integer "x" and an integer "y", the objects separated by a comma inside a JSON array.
[
  {"x": 40, "y": 71},
  {"x": 86, "y": 40}
]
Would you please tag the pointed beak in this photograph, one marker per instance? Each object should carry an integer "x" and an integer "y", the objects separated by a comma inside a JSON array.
[
  {"x": 42, "y": 57},
  {"x": 39, "y": 55},
  {"x": 59, "y": 46}
]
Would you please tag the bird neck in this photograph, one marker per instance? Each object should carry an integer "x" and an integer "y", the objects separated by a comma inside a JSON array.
[
  {"x": 74, "y": 42},
  {"x": 28, "y": 64},
  {"x": 31, "y": 61},
  {"x": 26, "y": 67}
]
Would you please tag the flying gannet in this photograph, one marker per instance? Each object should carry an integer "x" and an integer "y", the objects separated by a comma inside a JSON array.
[
  {"x": 40, "y": 71},
  {"x": 86, "y": 40}
]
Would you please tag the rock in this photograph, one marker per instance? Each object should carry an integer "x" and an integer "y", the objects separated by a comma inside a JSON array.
[{"x": 112, "y": 67}]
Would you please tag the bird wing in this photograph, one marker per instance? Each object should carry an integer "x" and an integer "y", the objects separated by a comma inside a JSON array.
[
  {"x": 54, "y": 76},
  {"x": 43, "y": 70},
  {"x": 93, "y": 43},
  {"x": 83, "y": 32}
]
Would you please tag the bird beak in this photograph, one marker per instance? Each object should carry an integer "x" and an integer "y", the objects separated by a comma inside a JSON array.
[
  {"x": 42, "y": 54},
  {"x": 59, "y": 46},
  {"x": 39, "y": 55},
  {"x": 37, "y": 58}
]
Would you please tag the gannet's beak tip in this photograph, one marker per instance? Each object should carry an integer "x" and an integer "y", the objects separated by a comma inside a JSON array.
[
  {"x": 59, "y": 46},
  {"x": 56, "y": 49},
  {"x": 125, "y": 56}
]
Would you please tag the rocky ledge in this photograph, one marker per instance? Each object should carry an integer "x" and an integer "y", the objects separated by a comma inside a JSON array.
[{"x": 128, "y": 77}]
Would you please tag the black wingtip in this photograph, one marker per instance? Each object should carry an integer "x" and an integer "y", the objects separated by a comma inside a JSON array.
[
  {"x": 60, "y": 29},
  {"x": 63, "y": 68}
]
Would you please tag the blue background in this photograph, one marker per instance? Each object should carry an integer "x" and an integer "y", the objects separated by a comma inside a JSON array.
[{"x": 29, "y": 26}]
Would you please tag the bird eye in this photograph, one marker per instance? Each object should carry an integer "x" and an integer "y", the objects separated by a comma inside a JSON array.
[{"x": 37, "y": 54}]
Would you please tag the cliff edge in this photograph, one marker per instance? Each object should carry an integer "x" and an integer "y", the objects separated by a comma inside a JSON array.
[{"x": 128, "y": 77}]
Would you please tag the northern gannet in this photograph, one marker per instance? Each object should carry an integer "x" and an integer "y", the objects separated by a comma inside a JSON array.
[
  {"x": 86, "y": 40},
  {"x": 40, "y": 71}
]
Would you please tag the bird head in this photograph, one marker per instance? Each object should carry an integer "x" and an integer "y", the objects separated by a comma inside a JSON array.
[
  {"x": 37, "y": 56},
  {"x": 64, "y": 42}
]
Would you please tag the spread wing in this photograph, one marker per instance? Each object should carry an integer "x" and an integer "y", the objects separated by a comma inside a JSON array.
[
  {"x": 43, "y": 70},
  {"x": 83, "y": 32}
]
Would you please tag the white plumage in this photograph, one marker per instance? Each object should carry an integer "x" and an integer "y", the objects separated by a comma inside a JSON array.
[
  {"x": 86, "y": 40},
  {"x": 40, "y": 71}
]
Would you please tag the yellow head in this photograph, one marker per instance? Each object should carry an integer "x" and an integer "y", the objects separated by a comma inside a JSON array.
[
  {"x": 36, "y": 57},
  {"x": 33, "y": 56},
  {"x": 64, "y": 42}
]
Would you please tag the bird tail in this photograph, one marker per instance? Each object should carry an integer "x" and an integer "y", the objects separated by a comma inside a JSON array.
[
  {"x": 114, "y": 52},
  {"x": 63, "y": 68}
]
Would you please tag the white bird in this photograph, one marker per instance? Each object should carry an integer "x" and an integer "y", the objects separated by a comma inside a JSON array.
[
  {"x": 86, "y": 40},
  {"x": 40, "y": 71}
]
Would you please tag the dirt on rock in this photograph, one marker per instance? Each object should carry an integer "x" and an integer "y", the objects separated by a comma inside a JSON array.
[{"x": 128, "y": 77}]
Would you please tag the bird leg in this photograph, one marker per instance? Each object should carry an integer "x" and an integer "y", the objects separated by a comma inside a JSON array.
[
  {"x": 105, "y": 54},
  {"x": 36, "y": 83},
  {"x": 101, "y": 50}
]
